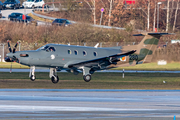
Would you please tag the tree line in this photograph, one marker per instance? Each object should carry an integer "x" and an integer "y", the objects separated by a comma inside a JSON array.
[{"x": 143, "y": 14}]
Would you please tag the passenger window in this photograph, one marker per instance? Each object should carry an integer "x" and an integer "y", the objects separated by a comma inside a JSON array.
[
  {"x": 84, "y": 53},
  {"x": 69, "y": 51},
  {"x": 52, "y": 49},
  {"x": 95, "y": 53},
  {"x": 75, "y": 52}
]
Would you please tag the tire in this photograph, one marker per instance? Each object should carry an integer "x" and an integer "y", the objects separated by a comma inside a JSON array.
[
  {"x": 87, "y": 78},
  {"x": 55, "y": 79},
  {"x": 32, "y": 7},
  {"x": 33, "y": 77}
]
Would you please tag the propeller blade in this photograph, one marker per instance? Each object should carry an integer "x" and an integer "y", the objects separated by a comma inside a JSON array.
[
  {"x": 9, "y": 46},
  {"x": 14, "y": 50}
]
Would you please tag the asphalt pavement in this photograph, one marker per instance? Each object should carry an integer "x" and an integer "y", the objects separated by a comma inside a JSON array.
[
  {"x": 6, "y": 12},
  {"x": 89, "y": 104}
]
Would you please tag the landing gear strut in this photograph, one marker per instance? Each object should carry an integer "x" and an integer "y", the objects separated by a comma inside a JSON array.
[
  {"x": 53, "y": 75},
  {"x": 86, "y": 74},
  {"x": 32, "y": 74}
]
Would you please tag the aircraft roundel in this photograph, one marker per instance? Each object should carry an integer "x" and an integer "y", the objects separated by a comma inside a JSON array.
[
  {"x": 123, "y": 58},
  {"x": 52, "y": 57}
]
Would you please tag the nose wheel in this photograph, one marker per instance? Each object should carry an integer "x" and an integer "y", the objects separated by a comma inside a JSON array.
[{"x": 33, "y": 77}]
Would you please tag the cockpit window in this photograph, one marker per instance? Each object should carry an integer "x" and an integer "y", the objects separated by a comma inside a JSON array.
[
  {"x": 43, "y": 48},
  {"x": 24, "y": 55},
  {"x": 51, "y": 49}
]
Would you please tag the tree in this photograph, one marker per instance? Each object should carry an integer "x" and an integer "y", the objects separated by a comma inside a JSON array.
[
  {"x": 92, "y": 5},
  {"x": 177, "y": 8},
  {"x": 167, "y": 17}
]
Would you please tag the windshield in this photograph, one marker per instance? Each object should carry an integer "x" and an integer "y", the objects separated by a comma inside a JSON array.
[
  {"x": 29, "y": 18},
  {"x": 30, "y": 0},
  {"x": 63, "y": 21},
  {"x": 10, "y": 1},
  {"x": 67, "y": 21},
  {"x": 43, "y": 48},
  {"x": 17, "y": 14}
]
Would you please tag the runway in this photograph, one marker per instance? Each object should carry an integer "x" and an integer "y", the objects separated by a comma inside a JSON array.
[{"x": 89, "y": 104}]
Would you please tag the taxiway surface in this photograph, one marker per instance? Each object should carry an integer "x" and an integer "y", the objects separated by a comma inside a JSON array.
[{"x": 89, "y": 104}]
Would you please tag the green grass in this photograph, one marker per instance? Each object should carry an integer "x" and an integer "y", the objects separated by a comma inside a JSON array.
[
  {"x": 153, "y": 66},
  {"x": 148, "y": 66},
  {"x": 14, "y": 65},
  {"x": 99, "y": 81}
]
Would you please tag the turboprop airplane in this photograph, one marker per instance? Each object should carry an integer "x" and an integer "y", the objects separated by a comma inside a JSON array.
[{"x": 82, "y": 58}]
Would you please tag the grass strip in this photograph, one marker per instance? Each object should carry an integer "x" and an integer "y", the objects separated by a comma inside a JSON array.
[
  {"x": 148, "y": 66},
  {"x": 14, "y": 65},
  {"x": 99, "y": 81}
]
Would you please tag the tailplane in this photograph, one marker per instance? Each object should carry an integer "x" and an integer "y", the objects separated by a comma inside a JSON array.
[{"x": 147, "y": 46}]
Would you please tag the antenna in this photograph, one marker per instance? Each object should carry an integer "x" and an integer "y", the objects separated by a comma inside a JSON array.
[{"x": 96, "y": 45}]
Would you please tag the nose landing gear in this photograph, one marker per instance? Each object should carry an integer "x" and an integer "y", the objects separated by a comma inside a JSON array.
[{"x": 32, "y": 73}]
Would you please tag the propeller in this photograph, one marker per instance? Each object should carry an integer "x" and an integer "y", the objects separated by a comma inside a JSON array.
[
  {"x": 14, "y": 50},
  {"x": 9, "y": 46},
  {"x": 10, "y": 57}
]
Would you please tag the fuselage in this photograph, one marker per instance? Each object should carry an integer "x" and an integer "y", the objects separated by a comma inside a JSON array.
[{"x": 57, "y": 55}]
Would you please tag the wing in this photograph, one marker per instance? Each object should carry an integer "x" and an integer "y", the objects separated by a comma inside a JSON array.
[{"x": 90, "y": 63}]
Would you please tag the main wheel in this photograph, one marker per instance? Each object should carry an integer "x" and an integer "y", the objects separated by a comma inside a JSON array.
[
  {"x": 33, "y": 77},
  {"x": 55, "y": 79},
  {"x": 87, "y": 78}
]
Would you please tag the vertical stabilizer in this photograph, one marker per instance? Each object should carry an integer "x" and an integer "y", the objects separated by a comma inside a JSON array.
[{"x": 147, "y": 46}]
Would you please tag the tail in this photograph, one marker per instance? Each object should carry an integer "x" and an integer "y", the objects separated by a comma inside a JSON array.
[{"x": 146, "y": 48}]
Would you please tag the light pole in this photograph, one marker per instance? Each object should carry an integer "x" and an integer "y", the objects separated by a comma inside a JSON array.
[{"x": 158, "y": 15}]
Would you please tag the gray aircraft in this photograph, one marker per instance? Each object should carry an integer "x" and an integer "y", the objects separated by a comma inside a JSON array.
[{"x": 83, "y": 58}]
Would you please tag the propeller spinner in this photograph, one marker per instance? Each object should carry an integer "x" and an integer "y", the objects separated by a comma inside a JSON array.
[{"x": 10, "y": 57}]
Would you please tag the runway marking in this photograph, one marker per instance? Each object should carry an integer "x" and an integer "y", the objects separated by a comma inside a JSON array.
[{"x": 51, "y": 108}]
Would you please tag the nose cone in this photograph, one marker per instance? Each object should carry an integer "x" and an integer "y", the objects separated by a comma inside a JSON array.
[{"x": 9, "y": 55}]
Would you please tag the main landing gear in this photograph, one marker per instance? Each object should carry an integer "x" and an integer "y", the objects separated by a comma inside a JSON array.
[
  {"x": 87, "y": 74},
  {"x": 52, "y": 74}
]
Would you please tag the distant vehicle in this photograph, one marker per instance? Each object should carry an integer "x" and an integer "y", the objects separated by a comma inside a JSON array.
[
  {"x": 14, "y": 16},
  {"x": 33, "y": 3},
  {"x": 61, "y": 22},
  {"x": 27, "y": 19},
  {"x": 1, "y": 5},
  {"x": 13, "y": 4}
]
